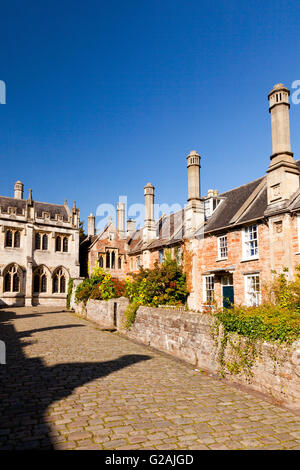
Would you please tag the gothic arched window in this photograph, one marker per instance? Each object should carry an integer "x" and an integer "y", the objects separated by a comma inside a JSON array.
[
  {"x": 59, "y": 282},
  {"x": 107, "y": 260},
  {"x": 120, "y": 263},
  {"x": 101, "y": 261},
  {"x": 12, "y": 280},
  {"x": 40, "y": 280}
]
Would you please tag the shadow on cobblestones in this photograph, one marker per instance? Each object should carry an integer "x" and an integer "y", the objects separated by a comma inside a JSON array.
[{"x": 28, "y": 386}]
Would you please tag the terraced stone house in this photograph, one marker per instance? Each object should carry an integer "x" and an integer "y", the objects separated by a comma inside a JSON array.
[{"x": 229, "y": 243}]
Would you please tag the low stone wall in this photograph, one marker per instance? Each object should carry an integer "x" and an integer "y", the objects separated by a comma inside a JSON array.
[
  {"x": 196, "y": 338},
  {"x": 106, "y": 313},
  {"x": 199, "y": 340}
]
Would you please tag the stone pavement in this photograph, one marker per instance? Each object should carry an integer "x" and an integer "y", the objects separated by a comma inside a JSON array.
[{"x": 69, "y": 385}]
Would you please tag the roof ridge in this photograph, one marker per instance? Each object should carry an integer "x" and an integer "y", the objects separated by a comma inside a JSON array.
[{"x": 242, "y": 185}]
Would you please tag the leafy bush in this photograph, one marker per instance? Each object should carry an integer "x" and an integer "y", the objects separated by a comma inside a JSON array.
[
  {"x": 277, "y": 319},
  {"x": 100, "y": 286},
  {"x": 266, "y": 322},
  {"x": 163, "y": 285}
]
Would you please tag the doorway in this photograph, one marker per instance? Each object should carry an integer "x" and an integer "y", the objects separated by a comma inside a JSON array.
[{"x": 227, "y": 291}]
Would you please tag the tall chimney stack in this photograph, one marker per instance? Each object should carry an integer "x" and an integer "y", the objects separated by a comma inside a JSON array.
[
  {"x": 193, "y": 165},
  {"x": 149, "y": 232},
  {"x": 283, "y": 173},
  {"x": 131, "y": 227},
  {"x": 194, "y": 211},
  {"x": 19, "y": 189},
  {"x": 121, "y": 219},
  {"x": 91, "y": 225}
]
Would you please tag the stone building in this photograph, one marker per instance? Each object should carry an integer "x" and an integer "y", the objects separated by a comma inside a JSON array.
[
  {"x": 228, "y": 243},
  {"x": 39, "y": 248}
]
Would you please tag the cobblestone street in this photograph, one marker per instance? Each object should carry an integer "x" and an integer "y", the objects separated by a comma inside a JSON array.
[{"x": 69, "y": 385}]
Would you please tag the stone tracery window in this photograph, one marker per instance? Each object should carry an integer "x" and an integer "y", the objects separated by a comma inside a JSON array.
[
  {"x": 120, "y": 263},
  {"x": 40, "y": 280},
  {"x": 12, "y": 238},
  {"x": 59, "y": 282},
  {"x": 101, "y": 263},
  {"x": 12, "y": 280},
  {"x": 61, "y": 244}
]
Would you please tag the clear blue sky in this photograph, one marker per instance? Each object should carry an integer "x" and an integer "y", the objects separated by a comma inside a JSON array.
[{"x": 104, "y": 96}]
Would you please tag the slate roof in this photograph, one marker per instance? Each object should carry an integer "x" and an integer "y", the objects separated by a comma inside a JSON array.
[
  {"x": 233, "y": 201},
  {"x": 40, "y": 207},
  {"x": 6, "y": 202}
]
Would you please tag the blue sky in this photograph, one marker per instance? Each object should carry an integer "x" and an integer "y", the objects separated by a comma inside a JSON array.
[{"x": 103, "y": 97}]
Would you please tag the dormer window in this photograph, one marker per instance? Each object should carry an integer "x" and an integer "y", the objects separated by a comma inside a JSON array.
[{"x": 211, "y": 203}]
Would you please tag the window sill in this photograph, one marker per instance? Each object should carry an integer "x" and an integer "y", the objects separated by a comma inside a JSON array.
[
  {"x": 297, "y": 253},
  {"x": 253, "y": 258},
  {"x": 221, "y": 259}
]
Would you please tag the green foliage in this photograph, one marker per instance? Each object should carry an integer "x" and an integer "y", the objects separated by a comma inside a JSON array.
[
  {"x": 130, "y": 314},
  {"x": 100, "y": 285},
  {"x": 266, "y": 322},
  {"x": 82, "y": 234},
  {"x": 277, "y": 319},
  {"x": 70, "y": 290},
  {"x": 163, "y": 285}
]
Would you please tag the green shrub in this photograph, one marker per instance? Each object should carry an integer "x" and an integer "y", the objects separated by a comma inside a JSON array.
[
  {"x": 277, "y": 319},
  {"x": 266, "y": 322},
  {"x": 163, "y": 285},
  {"x": 100, "y": 285}
]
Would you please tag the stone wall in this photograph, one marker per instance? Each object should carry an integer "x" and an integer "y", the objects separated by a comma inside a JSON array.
[
  {"x": 195, "y": 338},
  {"x": 106, "y": 313}
]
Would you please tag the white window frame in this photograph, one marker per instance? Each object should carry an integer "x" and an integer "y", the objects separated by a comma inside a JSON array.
[
  {"x": 224, "y": 247},
  {"x": 252, "y": 296},
  {"x": 208, "y": 281},
  {"x": 250, "y": 243}
]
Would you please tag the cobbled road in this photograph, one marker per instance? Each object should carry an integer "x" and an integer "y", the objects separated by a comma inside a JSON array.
[{"x": 68, "y": 385}]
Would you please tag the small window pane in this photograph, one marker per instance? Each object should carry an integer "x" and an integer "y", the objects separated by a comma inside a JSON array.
[
  {"x": 9, "y": 237},
  {"x": 45, "y": 242}
]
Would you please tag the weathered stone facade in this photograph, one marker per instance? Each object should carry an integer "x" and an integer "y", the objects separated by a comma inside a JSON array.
[{"x": 39, "y": 248}]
